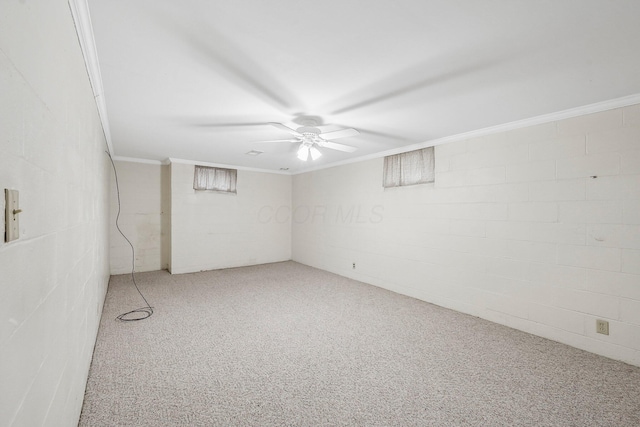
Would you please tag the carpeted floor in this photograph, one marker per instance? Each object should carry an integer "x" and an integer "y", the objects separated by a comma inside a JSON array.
[{"x": 288, "y": 345}]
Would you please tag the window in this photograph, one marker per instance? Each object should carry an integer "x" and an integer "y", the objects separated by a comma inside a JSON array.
[
  {"x": 410, "y": 168},
  {"x": 215, "y": 179}
]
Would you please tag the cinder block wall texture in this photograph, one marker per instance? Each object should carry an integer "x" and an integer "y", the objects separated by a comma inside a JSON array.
[{"x": 537, "y": 229}]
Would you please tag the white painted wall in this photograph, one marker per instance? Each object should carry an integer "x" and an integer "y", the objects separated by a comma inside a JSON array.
[
  {"x": 210, "y": 230},
  {"x": 141, "y": 217},
  {"x": 54, "y": 278},
  {"x": 515, "y": 229}
]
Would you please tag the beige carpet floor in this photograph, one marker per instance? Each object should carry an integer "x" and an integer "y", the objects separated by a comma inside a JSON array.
[{"x": 288, "y": 345}]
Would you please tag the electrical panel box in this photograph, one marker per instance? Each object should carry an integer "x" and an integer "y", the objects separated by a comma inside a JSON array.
[{"x": 11, "y": 214}]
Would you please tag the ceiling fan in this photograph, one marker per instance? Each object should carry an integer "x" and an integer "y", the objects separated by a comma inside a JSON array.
[{"x": 311, "y": 138}]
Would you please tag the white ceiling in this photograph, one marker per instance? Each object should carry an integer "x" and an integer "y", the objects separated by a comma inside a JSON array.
[{"x": 199, "y": 79}]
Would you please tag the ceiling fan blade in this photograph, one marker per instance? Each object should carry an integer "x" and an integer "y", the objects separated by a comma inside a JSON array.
[
  {"x": 277, "y": 140},
  {"x": 228, "y": 60},
  {"x": 286, "y": 128},
  {"x": 394, "y": 86},
  {"x": 226, "y": 125},
  {"x": 336, "y": 146},
  {"x": 340, "y": 134}
]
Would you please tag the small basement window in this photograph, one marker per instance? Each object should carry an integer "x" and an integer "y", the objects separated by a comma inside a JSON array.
[
  {"x": 410, "y": 168},
  {"x": 215, "y": 179}
]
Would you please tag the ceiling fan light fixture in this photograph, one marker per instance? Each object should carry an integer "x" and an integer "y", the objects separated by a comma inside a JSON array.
[
  {"x": 315, "y": 153},
  {"x": 303, "y": 153},
  {"x": 312, "y": 138}
]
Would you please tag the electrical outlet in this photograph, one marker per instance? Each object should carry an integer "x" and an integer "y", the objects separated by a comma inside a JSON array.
[
  {"x": 602, "y": 327},
  {"x": 354, "y": 265}
]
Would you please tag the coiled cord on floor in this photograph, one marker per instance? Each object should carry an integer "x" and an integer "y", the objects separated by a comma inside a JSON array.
[{"x": 143, "y": 312}]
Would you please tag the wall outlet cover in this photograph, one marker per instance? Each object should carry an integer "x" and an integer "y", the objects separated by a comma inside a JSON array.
[{"x": 602, "y": 327}]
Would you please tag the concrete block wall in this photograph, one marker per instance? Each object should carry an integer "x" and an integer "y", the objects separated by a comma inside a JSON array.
[
  {"x": 54, "y": 278},
  {"x": 536, "y": 228},
  {"x": 143, "y": 207},
  {"x": 210, "y": 230}
]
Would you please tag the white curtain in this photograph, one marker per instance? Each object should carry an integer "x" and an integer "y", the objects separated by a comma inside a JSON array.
[
  {"x": 413, "y": 167},
  {"x": 216, "y": 179}
]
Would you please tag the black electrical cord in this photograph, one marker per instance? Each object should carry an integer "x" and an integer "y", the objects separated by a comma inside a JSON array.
[{"x": 143, "y": 312}]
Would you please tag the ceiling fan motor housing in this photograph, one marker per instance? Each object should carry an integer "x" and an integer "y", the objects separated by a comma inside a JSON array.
[
  {"x": 309, "y": 130},
  {"x": 310, "y": 135}
]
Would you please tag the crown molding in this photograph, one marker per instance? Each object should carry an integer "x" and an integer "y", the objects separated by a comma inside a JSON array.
[
  {"x": 138, "y": 160},
  {"x": 84, "y": 30},
  {"x": 221, "y": 165},
  {"x": 168, "y": 161},
  {"x": 519, "y": 124}
]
